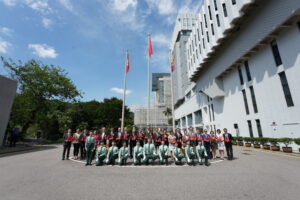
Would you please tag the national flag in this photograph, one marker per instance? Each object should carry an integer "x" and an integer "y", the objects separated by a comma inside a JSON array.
[
  {"x": 150, "y": 50},
  {"x": 127, "y": 62},
  {"x": 172, "y": 64}
]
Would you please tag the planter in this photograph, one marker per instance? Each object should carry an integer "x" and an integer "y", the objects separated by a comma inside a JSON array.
[
  {"x": 266, "y": 147},
  {"x": 240, "y": 143},
  {"x": 257, "y": 146},
  {"x": 275, "y": 148},
  {"x": 287, "y": 149},
  {"x": 234, "y": 143},
  {"x": 248, "y": 144}
]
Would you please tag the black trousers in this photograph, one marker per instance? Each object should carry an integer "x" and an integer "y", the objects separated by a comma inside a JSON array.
[
  {"x": 76, "y": 149},
  {"x": 82, "y": 150},
  {"x": 207, "y": 148},
  {"x": 67, "y": 147},
  {"x": 132, "y": 145},
  {"x": 13, "y": 140},
  {"x": 229, "y": 151}
]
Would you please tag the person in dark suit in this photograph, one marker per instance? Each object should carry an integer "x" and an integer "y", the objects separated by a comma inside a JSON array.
[
  {"x": 228, "y": 144},
  {"x": 132, "y": 141},
  {"x": 178, "y": 137},
  {"x": 67, "y": 144}
]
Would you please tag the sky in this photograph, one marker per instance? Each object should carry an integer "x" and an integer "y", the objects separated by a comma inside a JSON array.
[{"x": 88, "y": 38}]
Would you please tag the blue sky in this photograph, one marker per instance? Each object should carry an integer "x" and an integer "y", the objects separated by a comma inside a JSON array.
[{"x": 88, "y": 39}]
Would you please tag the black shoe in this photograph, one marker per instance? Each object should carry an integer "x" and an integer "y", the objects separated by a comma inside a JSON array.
[
  {"x": 86, "y": 164},
  {"x": 63, "y": 158},
  {"x": 207, "y": 164}
]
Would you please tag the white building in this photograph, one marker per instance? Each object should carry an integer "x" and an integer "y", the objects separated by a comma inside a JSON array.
[
  {"x": 243, "y": 63},
  {"x": 161, "y": 86}
]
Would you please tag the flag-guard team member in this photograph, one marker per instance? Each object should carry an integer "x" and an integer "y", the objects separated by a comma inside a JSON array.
[
  {"x": 189, "y": 154},
  {"x": 90, "y": 145},
  {"x": 111, "y": 137},
  {"x": 137, "y": 154},
  {"x": 214, "y": 145},
  {"x": 172, "y": 141},
  {"x": 123, "y": 154},
  {"x": 228, "y": 143},
  {"x": 206, "y": 138},
  {"x": 178, "y": 137},
  {"x": 119, "y": 138},
  {"x": 149, "y": 152},
  {"x": 163, "y": 152},
  {"x": 100, "y": 153},
  {"x": 141, "y": 137},
  {"x": 76, "y": 144},
  {"x": 201, "y": 153},
  {"x": 177, "y": 154},
  {"x": 221, "y": 146},
  {"x": 112, "y": 154},
  {"x": 82, "y": 140},
  {"x": 67, "y": 144}
]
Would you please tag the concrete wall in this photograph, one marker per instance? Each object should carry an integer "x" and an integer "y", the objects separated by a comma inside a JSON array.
[{"x": 8, "y": 89}]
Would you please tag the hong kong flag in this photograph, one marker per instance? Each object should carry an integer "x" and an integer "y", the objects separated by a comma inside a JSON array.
[
  {"x": 150, "y": 50},
  {"x": 127, "y": 62}
]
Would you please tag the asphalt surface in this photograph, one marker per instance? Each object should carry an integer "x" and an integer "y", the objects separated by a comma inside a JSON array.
[{"x": 41, "y": 175}]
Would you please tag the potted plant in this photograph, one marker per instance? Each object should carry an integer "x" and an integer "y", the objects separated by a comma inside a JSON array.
[
  {"x": 274, "y": 143},
  {"x": 234, "y": 141},
  {"x": 256, "y": 143},
  {"x": 247, "y": 141},
  {"x": 297, "y": 141},
  {"x": 264, "y": 142},
  {"x": 240, "y": 141},
  {"x": 286, "y": 141}
]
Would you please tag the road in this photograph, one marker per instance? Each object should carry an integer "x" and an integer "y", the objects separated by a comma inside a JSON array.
[{"x": 41, "y": 175}]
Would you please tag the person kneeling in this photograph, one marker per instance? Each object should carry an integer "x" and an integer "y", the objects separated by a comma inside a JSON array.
[
  {"x": 112, "y": 155},
  {"x": 163, "y": 152},
  {"x": 149, "y": 152},
  {"x": 177, "y": 154},
  {"x": 100, "y": 154},
  {"x": 123, "y": 154},
  {"x": 189, "y": 153},
  {"x": 201, "y": 153},
  {"x": 137, "y": 154}
]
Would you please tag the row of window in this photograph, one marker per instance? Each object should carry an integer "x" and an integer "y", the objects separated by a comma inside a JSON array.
[
  {"x": 253, "y": 98},
  {"x": 258, "y": 126}
]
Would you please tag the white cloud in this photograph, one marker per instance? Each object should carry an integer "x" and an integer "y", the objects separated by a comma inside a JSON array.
[
  {"x": 47, "y": 23},
  {"x": 6, "y": 31},
  {"x": 120, "y": 90},
  {"x": 43, "y": 50},
  {"x": 41, "y": 6},
  {"x": 160, "y": 39},
  {"x": 67, "y": 4},
  {"x": 122, "y": 5},
  {"x": 164, "y": 7},
  {"x": 9, "y": 2},
  {"x": 4, "y": 45}
]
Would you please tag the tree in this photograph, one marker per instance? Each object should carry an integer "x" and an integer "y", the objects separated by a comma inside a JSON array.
[
  {"x": 168, "y": 113},
  {"x": 38, "y": 85}
]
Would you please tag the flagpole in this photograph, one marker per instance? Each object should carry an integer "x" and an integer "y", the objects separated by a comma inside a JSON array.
[
  {"x": 148, "y": 110},
  {"x": 124, "y": 94},
  {"x": 172, "y": 92}
]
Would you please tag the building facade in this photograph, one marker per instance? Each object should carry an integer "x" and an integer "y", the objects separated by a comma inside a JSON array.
[
  {"x": 243, "y": 59},
  {"x": 7, "y": 94},
  {"x": 161, "y": 87}
]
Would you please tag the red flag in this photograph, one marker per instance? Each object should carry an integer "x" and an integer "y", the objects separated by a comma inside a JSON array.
[
  {"x": 150, "y": 51},
  {"x": 172, "y": 64},
  {"x": 127, "y": 62}
]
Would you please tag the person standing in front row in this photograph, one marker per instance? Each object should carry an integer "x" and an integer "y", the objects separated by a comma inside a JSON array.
[
  {"x": 82, "y": 140},
  {"x": 228, "y": 144},
  {"x": 76, "y": 144},
  {"x": 67, "y": 144},
  {"x": 221, "y": 146},
  {"x": 90, "y": 146}
]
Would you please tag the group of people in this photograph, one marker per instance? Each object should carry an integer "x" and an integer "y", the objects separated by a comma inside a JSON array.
[{"x": 147, "y": 146}]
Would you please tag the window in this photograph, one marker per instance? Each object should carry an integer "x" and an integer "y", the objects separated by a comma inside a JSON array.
[
  {"x": 194, "y": 58},
  {"x": 224, "y": 9},
  {"x": 210, "y": 17},
  {"x": 195, "y": 40},
  {"x": 207, "y": 36},
  {"x": 198, "y": 34},
  {"x": 233, "y": 2},
  {"x": 198, "y": 117},
  {"x": 196, "y": 53},
  {"x": 286, "y": 89},
  {"x": 203, "y": 43},
  {"x": 276, "y": 53},
  {"x": 199, "y": 49},
  {"x": 247, "y": 71},
  {"x": 258, "y": 128},
  {"x": 215, "y": 3},
  {"x": 190, "y": 49},
  {"x": 250, "y": 128},
  {"x": 212, "y": 29},
  {"x": 209, "y": 113},
  {"x": 245, "y": 102},
  {"x": 218, "y": 20},
  {"x": 253, "y": 99},
  {"x": 201, "y": 28},
  {"x": 205, "y": 21},
  {"x": 161, "y": 95},
  {"x": 183, "y": 120},
  {"x": 213, "y": 112},
  {"x": 190, "y": 120},
  {"x": 241, "y": 75}
]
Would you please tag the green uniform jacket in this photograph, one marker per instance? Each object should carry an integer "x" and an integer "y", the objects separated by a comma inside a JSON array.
[
  {"x": 189, "y": 152},
  {"x": 90, "y": 143},
  {"x": 101, "y": 151},
  {"x": 137, "y": 151},
  {"x": 123, "y": 153},
  {"x": 113, "y": 150},
  {"x": 163, "y": 151},
  {"x": 149, "y": 149},
  {"x": 177, "y": 153},
  {"x": 199, "y": 150}
]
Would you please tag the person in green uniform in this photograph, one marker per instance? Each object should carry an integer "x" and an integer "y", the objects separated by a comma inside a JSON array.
[
  {"x": 123, "y": 154},
  {"x": 149, "y": 152},
  {"x": 163, "y": 152},
  {"x": 201, "y": 153},
  {"x": 137, "y": 154},
  {"x": 90, "y": 146},
  {"x": 112, "y": 154},
  {"x": 189, "y": 154},
  {"x": 100, "y": 154},
  {"x": 177, "y": 154}
]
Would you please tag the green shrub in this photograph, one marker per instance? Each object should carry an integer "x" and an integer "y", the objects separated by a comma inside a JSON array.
[
  {"x": 247, "y": 139},
  {"x": 239, "y": 138},
  {"x": 286, "y": 141},
  {"x": 297, "y": 141},
  {"x": 264, "y": 140},
  {"x": 256, "y": 140},
  {"x": 274, "y": 141}
]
